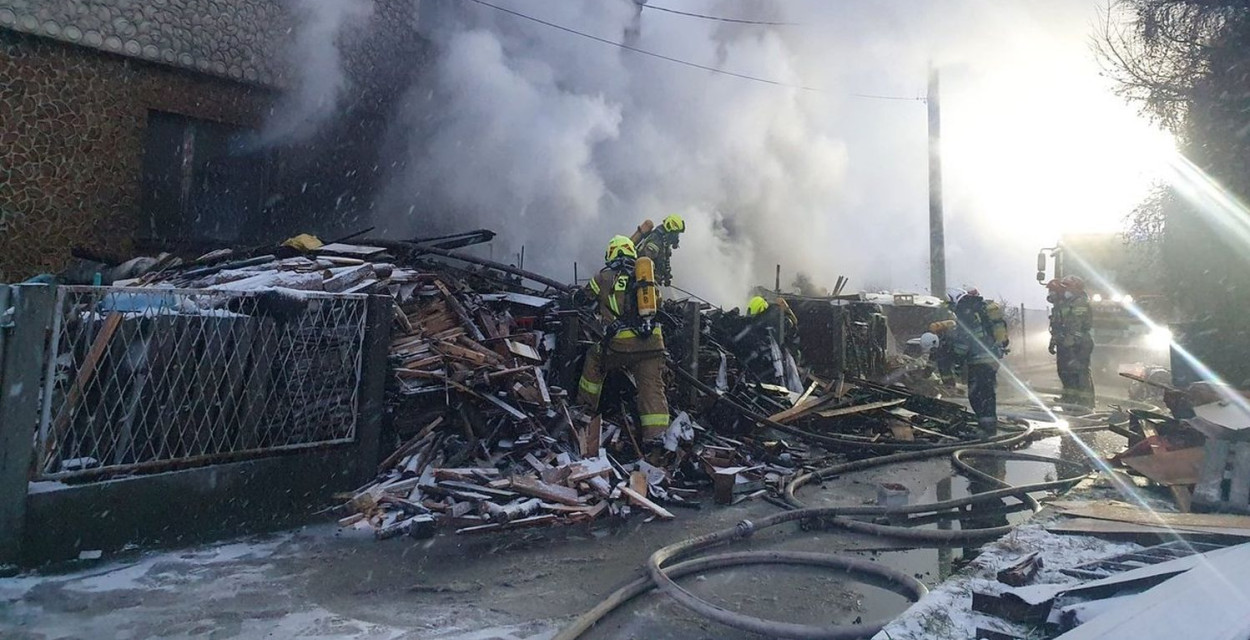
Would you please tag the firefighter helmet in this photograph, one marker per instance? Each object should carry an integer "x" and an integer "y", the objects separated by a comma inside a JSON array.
[
  {"x": 756, "y": 306},
  {"x": 674, "y": 224},
  {"x": 1073, "y": 283},
  {"x": 929, "y": 342},
  {"x": 619, "y": 247}
]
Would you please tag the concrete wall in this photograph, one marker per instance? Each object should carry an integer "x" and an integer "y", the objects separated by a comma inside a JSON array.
[{"x": 184, "y": 507}]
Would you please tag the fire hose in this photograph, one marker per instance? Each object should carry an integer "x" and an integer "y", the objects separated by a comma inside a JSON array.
[{"x": 663, "y": 577}]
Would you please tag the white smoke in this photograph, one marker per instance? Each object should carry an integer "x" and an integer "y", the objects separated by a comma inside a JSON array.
[
  {"x": 558, "y": 142},
  {"x": 318, "y": 80}
]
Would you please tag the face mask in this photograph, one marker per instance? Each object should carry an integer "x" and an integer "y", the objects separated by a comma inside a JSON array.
[{"x": 1068, "y": 295}]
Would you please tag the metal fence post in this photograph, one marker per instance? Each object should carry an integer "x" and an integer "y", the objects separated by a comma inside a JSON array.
[
  {"x": 373, "y": 376},
  {"x": 21, "y": 369}
]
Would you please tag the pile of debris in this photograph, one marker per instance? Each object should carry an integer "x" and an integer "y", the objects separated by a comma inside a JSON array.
[
  {"x": 1200, "y": 453},
  {"x": 482, "y": 427}
]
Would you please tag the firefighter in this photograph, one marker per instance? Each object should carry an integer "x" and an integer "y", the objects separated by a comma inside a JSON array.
[
  {"x": 944, "y": 354},
  {"x": 658, "y": 243},
  {"x": 767, "y": 325},
  {"x": 631, "y": 342},
  {"x": 979, "y": 342},
  {"x": 1072, "y": 339},
  {"x": 776, "y": 317}
]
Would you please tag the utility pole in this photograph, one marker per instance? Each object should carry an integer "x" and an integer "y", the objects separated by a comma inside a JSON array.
[{"x": 937, "y": 231}]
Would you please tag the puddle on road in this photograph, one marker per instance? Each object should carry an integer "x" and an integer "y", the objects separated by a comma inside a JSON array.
[{"x": 932, "y": 566}]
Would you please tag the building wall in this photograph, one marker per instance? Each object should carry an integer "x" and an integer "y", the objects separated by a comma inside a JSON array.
[
  {"x": 71, "y": 144},
  {"x": 238, "y": 39},
  {"x": 78, "y": 78}
]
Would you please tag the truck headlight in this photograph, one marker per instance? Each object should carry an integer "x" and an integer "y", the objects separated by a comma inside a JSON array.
[{"x": 1097, "y": 297}]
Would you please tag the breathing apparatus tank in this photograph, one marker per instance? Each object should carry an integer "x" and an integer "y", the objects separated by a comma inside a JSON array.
[{"x": 647, "y": 292}]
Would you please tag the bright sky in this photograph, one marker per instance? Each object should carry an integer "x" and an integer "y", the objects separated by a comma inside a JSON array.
[{"x": 1035, "y": 142}]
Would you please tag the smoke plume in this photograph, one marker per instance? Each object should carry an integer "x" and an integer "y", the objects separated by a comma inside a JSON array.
[
  {"x": 558, "y": 142},
  {"x": 318, "y": 80}
]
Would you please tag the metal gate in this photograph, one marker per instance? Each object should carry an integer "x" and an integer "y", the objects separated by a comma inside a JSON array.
[{"x": 145, "y": 379}]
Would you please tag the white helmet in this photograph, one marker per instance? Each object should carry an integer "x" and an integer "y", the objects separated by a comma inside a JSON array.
[
  {"x": 929, "y": 342},
  {"x": 955, "y": 294}
]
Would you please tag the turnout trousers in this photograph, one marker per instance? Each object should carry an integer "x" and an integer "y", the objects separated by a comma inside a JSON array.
[
  {"x": 983, "y": 393},
  {"x": 647, "y": 368},
  {"x": 1073, "y": 364}
]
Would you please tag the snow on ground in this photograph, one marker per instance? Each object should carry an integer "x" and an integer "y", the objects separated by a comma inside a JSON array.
[
  {"x": 946, "y": 612},
  {"x": 229, "y": 590}
]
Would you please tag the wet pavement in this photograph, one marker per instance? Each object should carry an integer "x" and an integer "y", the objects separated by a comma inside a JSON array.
[{"x": 323, "y": 582}]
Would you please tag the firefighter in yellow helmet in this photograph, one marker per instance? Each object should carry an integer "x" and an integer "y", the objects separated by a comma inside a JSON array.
[
  {"x": 658, "y": 242},
  {"x": 768, "y": 325},
  {"x": 630, "y": 342}
]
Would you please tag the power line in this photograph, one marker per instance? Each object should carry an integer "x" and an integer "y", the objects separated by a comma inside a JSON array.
[
  {"x": 721, "y": 19},
  {"x": 661, "y": 56},
  {"x": 874, "y": 96},
  {"x": 643, "y": 51}
]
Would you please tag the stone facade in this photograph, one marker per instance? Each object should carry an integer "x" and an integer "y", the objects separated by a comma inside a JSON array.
[
  {"x": 78, "y": 79},
  {"x": 237, "y": 39},
  {"x": 71, "y": 145}
]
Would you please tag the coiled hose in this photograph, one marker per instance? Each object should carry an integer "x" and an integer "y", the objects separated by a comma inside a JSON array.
[{"x": 658, "y": 575}]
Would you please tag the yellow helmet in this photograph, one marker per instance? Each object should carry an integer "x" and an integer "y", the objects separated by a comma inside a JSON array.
[
  {"x": 756, "y": 306},
  {"x": 620, "y": 246},
  {"x": 674, "y": 224}
]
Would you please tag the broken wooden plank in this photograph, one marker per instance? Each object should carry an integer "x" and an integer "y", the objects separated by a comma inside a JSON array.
[
  {"x": 523, "y": 350},
  {"x": 1141, "y": 533},
  {"x": 592, "y": 437},
  {"x": 551, "y": 493},
  {"x": 589, "y": 468},
  {"x": 351, "y": 520},
  {"x": 638, "y": 482},
  {"x": 452, "y": 350},
  {"x": 860, "y": 408},
  {"x": 515, "y": 524},
  {"x": 345, "y": 278},
  {"x": 465, "y": 319},
  {"x": 469, "y": 486},
  {"x": 490, "y": 356},
  {"x": 467, "y": 474},
  {"x": 411, "y": 445},
  {"x": 902, "y": 431},
  {"x": 801, "y": 408},
  {"x": 643, "y": 502},
  {"x": 541, "y": 380},
  {"x": 86, "y": 371},
  {"x": 1122, "y": 512}
]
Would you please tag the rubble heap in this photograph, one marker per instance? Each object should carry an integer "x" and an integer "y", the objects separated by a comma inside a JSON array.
[{"x": 482, "y": 430}]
